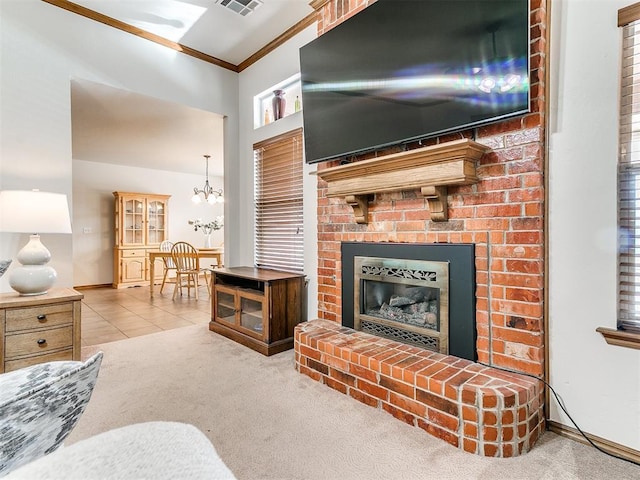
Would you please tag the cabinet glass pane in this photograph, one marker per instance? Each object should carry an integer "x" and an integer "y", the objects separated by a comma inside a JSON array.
[
  {"x": 225, "y": 309},
  {"x": 156, "y": 216},
  {"x": 251, "y": 316},
  {"x": 133, "y": 222}
]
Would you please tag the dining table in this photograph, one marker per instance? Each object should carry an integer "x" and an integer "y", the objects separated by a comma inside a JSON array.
[{"x": 202, "y": 253}]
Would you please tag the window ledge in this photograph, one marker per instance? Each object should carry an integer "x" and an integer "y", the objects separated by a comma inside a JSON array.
[{"x": 620, "y": 338}]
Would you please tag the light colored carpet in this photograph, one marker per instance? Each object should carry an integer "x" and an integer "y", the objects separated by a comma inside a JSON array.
[{"x": 269, "y": 422}]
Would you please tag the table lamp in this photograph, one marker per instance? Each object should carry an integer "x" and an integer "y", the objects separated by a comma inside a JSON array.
[{"x": 29, "y": 212}]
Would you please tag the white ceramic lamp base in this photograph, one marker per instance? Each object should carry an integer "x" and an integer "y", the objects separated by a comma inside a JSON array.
[{"x": 34, "y": 277}]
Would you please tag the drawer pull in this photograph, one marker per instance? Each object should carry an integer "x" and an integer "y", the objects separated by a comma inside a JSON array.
[
  {"x": 42, "y": 317},
  {"x": 42, "y": 342}
]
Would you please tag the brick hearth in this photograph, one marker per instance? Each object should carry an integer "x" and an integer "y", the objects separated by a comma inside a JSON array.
[{"x": 476, "y": 408}]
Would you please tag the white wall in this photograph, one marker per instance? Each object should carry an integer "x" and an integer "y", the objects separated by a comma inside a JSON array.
[
  {"x": 93, "y": 208},
  {"x": 270, "y": 70},
  {"x": 42, "y": 48},
  {"x": 600, "y": 384}
]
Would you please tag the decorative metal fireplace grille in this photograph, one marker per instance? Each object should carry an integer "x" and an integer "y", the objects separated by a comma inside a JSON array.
[{"x": 404, "y": 300}]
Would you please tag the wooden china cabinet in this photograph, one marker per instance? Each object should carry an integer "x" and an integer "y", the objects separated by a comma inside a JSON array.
[{"x": 141, "y": 224}]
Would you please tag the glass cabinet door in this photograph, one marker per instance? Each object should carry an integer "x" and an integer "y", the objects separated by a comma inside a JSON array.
[
  {"x": 225, "y": 307},
  {"x": 156, "y": 216},
  {"x": 251, "y": 314},
  {"x": 133, "y": 222}
]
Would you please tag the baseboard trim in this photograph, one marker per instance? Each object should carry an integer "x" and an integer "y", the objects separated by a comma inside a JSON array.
[
  {"x": 90, "y": 287},
  {"x": 608, "y": 446}
]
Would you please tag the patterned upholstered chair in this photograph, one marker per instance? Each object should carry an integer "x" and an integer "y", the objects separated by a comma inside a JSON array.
[{"x": 40, "y": 405}]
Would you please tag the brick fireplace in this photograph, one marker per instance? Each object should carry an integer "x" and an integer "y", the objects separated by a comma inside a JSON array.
[{"x": 501, "y": 213}]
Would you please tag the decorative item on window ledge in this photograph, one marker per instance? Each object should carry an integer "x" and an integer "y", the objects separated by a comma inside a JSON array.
[
  {"x": 279, "y": 104},
  {"x": 207, "y": 228},
  {"x": 210, "y": 195},
  {"x": 29, "y": 212}
]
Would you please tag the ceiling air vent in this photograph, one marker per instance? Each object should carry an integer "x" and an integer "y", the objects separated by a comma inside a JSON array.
[{"x": 243, "y": 7}]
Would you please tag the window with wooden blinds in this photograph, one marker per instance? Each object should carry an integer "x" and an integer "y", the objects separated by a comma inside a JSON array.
[
  {"x": 629, "y": 173},
  {"x": 279, "y": 230}
]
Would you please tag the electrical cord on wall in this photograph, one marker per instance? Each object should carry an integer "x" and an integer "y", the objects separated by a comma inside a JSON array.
[{"x": 562, "y": 407}]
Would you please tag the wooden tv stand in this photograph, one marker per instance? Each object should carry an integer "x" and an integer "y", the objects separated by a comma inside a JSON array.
[{"x": 256, "y": 307}]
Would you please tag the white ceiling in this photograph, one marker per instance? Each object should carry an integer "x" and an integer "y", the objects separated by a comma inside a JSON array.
[
  {"x": 205, "y": 25},
  {"x": 110, "y": 125}
]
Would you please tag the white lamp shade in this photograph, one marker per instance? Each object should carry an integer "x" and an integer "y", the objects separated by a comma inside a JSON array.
[
  {"x": 33, "y": 212},
  {"x": 23, "y": 211}
]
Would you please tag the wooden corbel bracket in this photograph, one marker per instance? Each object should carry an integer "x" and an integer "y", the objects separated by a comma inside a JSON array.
[
  {"x": 437, "y": 198},
  {"x": 429, "y": 170},
  {"x": 360, "y": 205}
]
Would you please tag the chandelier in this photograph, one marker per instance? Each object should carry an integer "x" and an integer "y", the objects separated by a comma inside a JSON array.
[{"x": 210, "y": 195}]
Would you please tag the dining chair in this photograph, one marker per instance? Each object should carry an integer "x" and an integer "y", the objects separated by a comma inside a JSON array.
[
  {"x": 169, "y": 264},
  {"x": 185, "y": 258}
]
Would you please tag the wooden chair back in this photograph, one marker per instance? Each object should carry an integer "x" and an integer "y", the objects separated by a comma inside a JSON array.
[
  {"x": 166, "y": 246},
  {"x": 185, "y": 257}
]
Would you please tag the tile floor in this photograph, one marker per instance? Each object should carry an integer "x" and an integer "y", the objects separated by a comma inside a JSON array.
[{"x": 110, "y": 314}]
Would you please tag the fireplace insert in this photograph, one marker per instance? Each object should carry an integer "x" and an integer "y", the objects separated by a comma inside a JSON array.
[
  {"x": 419, "y": 294},
  {"x": 404, "y": 300}
]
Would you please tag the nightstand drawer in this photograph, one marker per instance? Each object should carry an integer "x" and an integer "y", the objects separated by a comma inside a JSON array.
[
  {"x": 52, "y": 319},
  {"x": 11, "y": 365},
  {"x": 39, "y": 317},
  {"x": 43, "y": 341}
]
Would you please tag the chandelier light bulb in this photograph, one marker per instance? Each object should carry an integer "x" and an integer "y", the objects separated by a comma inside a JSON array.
[{"x": 211, "y": 196}]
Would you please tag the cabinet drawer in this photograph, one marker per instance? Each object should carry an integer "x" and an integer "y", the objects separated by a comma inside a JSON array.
[
  {"x": 39, "y": 317},
  {"x": 11, "y": 365},
  {"x": 42, "y": 341},
  {"x": 133, "y": 253}
]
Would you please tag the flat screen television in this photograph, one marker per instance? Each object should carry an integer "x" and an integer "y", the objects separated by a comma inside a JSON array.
[{"x": 405, "y": 70}]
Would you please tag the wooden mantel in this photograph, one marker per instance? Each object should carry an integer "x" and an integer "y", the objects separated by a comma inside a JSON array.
[{"x": 429, "y": 169}]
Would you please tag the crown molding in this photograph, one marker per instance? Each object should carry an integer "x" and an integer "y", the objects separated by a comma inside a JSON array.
[
  {"x": 279, "y": 40},
  {"x": 125, "y": 27},
  {"x": 112, "y": 22},
  {"x": 318, "y": 4}
]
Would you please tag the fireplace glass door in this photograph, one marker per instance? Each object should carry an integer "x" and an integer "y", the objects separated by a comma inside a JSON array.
[
  {"x": 405, "y": 300},
  {"x": 404, "y": 304}
]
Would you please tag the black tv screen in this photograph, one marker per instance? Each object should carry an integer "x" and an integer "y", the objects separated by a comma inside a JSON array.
[{"x": 405, "y": 70}]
